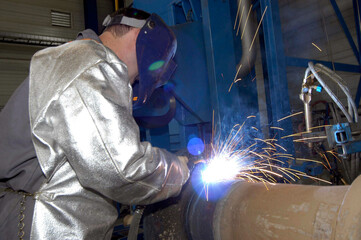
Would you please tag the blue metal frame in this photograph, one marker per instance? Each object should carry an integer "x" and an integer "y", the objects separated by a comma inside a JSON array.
[
  {"x": 357, "y": 12},
  {"x": 345, "y": 29},
  {"x": 220, "y": 57},
  {"x": 274, "y": 72},
  {"x": 303, "y": 62},
  {"x": 204, "y": 30},
  {"x": 275, "y": 62},
  {"x": 300, "y": 62}
]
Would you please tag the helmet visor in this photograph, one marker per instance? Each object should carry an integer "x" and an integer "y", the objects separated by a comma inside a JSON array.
[{"x": 156, "y": 46}]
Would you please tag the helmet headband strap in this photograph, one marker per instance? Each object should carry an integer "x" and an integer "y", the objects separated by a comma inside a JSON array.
[
  {"x": 128, "y": 21},
  {"x": 132, "y": 22}
]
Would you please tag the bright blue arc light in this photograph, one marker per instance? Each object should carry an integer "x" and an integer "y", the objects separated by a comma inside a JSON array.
[{"x": 220, "y": 169}]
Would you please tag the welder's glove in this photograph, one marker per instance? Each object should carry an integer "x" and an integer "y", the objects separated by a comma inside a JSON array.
[{"x": 191, "y": 159}]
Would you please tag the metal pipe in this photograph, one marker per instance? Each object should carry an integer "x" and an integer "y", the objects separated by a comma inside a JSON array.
[
  {"x": 254, "y": 211},
  {"x": 289, "y": 211},
  {"x": 308, "y": 113}
]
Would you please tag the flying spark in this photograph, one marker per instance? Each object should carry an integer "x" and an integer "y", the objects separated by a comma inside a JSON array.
[
  {"x": 240, "y": 21},
  {"x": 310, "y": 138},
  {"x": 278, "y": 128},
  {"x": 292, "y": 115},
  {"x": 295, "y": 134},
  {"x": 259, "y": 24},
  {"x": 235, "y": 78},
  {"x": 235, "y": 22},
  {"x": 239, "y": 68},
  {"x": 317, "y": 47},
  {"x": 230, "y": 87},
  {"x": 229, "y": 159},
  {"x": 321, "y": 126},
  {"x": 245, "y": 24}
]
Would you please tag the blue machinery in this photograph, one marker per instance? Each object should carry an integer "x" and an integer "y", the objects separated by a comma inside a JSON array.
[
  {"x": 207, "y": 60},
  {"x": 275, "y": 62},
  {"x": 207, "y": 56}
]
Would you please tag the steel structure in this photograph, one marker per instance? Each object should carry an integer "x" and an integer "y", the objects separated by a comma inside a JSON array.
[
  {"x": 207, "y": 56},
  {"x": 257, "y": 211},
  {"x": 275, "y": 63}
]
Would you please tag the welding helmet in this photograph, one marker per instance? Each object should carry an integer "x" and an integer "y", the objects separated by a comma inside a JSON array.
[{"x": 155, "y": 48}]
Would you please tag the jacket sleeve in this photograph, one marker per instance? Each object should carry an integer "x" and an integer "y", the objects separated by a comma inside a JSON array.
[{"x": 100, "y": 139}]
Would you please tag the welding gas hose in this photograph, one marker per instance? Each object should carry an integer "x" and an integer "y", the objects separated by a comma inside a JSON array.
[
  {"x": 337, "y": 79},
  {"x": 352, "y": 109},
  {"x": 328, "y": 90}
]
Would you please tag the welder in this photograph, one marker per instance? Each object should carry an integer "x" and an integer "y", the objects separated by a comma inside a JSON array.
[{"x": 69, "y": 144}]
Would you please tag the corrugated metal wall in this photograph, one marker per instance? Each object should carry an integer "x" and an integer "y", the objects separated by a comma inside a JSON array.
[
  {"x": 33, "y": 20},
  {"x": 34, "y": 17}
]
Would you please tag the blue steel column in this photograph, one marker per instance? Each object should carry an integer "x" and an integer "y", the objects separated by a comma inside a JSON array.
[
  {"x": 275, "y": 78},
  {"x": 221, "y": 65},
  {"x": 345, "y": 28},
  {"x": 357, "y": 12}
]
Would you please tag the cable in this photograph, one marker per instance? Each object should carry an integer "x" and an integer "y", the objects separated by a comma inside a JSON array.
[
  {"x": 336, "y": 78},
  {"x": 352, "y": 110}
]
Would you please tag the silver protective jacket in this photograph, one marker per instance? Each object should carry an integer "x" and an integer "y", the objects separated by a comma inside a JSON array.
[{"x": 88, "y": 146}]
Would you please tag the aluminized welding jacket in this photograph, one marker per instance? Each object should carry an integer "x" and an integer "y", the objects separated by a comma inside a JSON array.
[{"x": 88, "y": 146}]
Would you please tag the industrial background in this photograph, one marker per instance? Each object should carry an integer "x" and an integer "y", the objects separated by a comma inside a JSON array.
[{"x": 239, "y": 61}]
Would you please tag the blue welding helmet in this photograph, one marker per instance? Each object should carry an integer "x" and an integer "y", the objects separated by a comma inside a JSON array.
[{"x": 155, "y": 48}]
